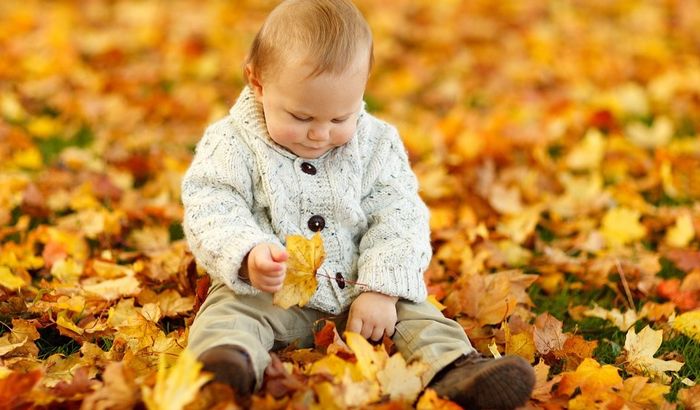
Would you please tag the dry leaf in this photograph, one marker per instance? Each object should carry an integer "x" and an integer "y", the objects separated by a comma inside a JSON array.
[
  {"x": 177, "y": 386},
  {"x": 689, "y": 324},
  {"x": 305, "y": 257},
  {"x": 640, "y": 354},
  {"x": 399, "y": 381}
]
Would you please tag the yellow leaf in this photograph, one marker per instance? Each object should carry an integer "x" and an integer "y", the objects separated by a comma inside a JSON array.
[
  {"x": 9, "y": 280},
  {"x": 177, "y": 386},
  {"x": 640, "y": 354},
  {"x": 620, "y": 226},
  {"x": 369, "y": 360},
  {"x": 637, "y": 391},
  {"x": 65, "y": 322},
  {"x": 689, "y": 324},
  {"x": 433, "y": 300},
  {"x": 493, "y": 348},
  {"x": 658, "y": 135},
  {"x": 399, "y": 381},
  {"x": 588, "y": 154},
  {"x": 44, "y": 127},
  {"x": 336, "y": 367},
  {"x": 592, "y": 378},
  {"x": 305, "y": 257},
  {"x": 680, "y": 234},
  {"x": 430, "y": 401},
  {"x": 521, "y": 344},
  {"x": 115, "y": 288},
  {"x": 29, "y": 158}
]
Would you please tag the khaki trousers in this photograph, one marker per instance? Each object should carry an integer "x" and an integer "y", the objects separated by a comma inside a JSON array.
[{"x": 257, "y": 326}]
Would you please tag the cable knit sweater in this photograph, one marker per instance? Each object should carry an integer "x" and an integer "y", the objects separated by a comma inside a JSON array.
[{"x": 243, "y": 189}]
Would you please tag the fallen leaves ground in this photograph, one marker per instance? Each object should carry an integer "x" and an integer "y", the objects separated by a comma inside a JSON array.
[{"x": 555, "y": 142}]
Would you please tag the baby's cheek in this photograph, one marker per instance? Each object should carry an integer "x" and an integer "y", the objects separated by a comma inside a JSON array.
[{"x": 344, "y": 134}]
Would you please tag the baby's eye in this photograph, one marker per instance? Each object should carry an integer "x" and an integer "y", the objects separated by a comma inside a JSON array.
[
  {"x": 302, "y": 119},
  {"x": 339, "y": 120}
]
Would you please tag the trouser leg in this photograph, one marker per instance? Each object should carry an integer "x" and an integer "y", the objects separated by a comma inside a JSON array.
[
  {"x": 250, "y": 322},
  {"x": 423, "y": 332}
]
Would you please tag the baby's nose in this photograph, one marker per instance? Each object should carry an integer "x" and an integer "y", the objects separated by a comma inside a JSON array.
[{"x": 319, "y": 133}]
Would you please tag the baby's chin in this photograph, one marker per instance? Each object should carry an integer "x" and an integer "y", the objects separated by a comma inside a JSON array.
[{"x": 309, "y": 153}]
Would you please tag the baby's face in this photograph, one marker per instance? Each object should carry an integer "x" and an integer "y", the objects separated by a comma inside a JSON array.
[{"x": 311, "y": 115}]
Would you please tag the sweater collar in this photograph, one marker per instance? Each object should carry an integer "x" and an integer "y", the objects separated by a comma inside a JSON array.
[{"x": 248, "y": 112}]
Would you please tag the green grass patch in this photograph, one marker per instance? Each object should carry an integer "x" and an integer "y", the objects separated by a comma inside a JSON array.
[
  {"x": 689, "y": 350},
  {"x": 669, "y": 270},
  {"x": 52, "y": 342},
  {"x": 557, "y": 304},
  {"x": 51, "y": 147}
]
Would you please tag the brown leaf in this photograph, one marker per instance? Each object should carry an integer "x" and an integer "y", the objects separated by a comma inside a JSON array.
[
  {"x": 685, "y": 259},
  {"x": 575, "y": 350},
  {"x": 548, "y": 334}
]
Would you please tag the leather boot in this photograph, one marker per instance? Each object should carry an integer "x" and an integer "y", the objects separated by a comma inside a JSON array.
[
  {"x": 475, "y": 381},
  {"x": 231, "y": 365}
]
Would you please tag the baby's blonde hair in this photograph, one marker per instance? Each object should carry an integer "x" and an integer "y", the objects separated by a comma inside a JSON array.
[{"x": 329, "y": 33}]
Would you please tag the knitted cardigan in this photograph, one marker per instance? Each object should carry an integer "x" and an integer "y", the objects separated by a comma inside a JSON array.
[{"x": 243, "y": 189}]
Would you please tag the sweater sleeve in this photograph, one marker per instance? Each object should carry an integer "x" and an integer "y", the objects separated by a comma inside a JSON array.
[
  {"x": 217, "y": 195},
  {"x": 395, "y": 250}
]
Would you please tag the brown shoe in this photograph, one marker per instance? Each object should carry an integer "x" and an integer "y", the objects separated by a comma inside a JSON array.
[
  {"x": 230, "y": 365},
  {"x": 478, "y": 382}
]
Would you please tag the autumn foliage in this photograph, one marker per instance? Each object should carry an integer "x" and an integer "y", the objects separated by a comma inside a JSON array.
[{"x": 556, "y": 143}]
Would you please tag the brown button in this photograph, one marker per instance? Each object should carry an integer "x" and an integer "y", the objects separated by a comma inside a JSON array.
[
  {"x": 308, "y": 168},
  {"x": 316, "y": 223},
  {"x": 340, "y": 280}
]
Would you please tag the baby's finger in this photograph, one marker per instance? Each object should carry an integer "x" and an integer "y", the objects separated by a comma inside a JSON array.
[
  {"x": 367, "y": 330},
  {"x": 354, "y": 325},
  {"x": 272, "y": 268},
  {"x": 390, "y": 331},
  {"x": 377, "y": 333},
  {"x": 271, "y": 281},
  {"x": 278, "y": 254}
]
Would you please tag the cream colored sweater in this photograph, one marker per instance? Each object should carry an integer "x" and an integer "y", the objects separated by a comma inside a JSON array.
[{"x": 243, "y": 189}]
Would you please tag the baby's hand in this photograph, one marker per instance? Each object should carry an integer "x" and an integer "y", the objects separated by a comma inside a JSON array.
[
  {"x": 266, "y": 267},
  {"x": 373, "y": 315}
]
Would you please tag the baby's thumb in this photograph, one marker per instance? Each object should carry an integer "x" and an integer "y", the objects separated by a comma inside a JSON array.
[{"x": 278, "y": 254}]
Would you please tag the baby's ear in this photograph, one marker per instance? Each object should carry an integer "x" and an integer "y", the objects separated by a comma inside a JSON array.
[{"x": 254, "y": 80}]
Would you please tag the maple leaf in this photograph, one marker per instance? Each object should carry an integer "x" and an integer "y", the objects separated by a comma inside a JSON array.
[
  {"x": 119, "y": 392},
  {"x": 10, "y": 281},
  {"x": 689, "y": 324},
  {"x": 177, "y": 386},
  {"x": 621, "y": 226},
  {"x": 369, "y": 360},
  {"x": 547, "y": 334},
  {"x": 575, "y": 350},
  {"x": 640, "y": 394},
  {"x": 680, "y": 234},
  {"x": 690, "y": 398},
  {"x": 640, "y": 354},
  {"x": 399, "y": 381},
  {"x": 543, "y": 387},
  {"x": 521, "y": 344},
  {"x": 594, "y": 380},
  {"x": 305, "y": 257}
]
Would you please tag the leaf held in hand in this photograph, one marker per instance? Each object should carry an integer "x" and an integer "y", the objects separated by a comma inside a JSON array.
[{"x": 305, "y": 257}]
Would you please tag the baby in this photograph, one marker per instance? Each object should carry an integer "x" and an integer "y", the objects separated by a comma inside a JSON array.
[{"x": 298, "y": 154}]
